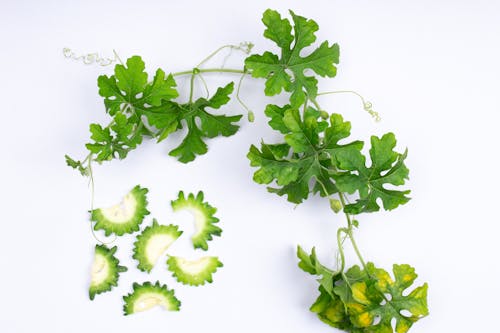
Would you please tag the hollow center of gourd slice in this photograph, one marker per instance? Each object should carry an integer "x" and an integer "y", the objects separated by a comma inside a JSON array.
[
  {"x": 121, "y": 212},
  {"x": 150, "y": 300},
  {"x": 193, "y": 267},
  {"x": 200, "y": 219},
  {"x": 157, "y": 245},
  {"x": 100, "y": 270}
]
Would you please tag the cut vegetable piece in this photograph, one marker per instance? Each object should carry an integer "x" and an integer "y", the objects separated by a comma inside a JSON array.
[
  {"x": 203, "y": 217},
  {"x": 193, "y": 272},
  {"x": 105, "y": 271},
  {"x": 147, "y": 295},
  {"x": 152, "y": 243},
  {"x": 125, "y": 217}
]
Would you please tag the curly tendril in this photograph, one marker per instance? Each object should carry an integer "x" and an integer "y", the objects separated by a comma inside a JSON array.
[
  {"x": 367, "y": 105},
  {"x": 91, "y": 58}
]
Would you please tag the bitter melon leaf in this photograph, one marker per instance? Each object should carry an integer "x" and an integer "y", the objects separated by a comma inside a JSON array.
[
  {"x": 204, "y": 218},
  {"x": 152, "y": 243},
  {"x": 373, "y": 298},
  {"x": 287, "y": 71},
  {"x": 115, "y": 141},
  {"x": 276, "y": 114},
  {"x": 387, "y": 167},
  {"x": 272, "y": 167},
  {"x": 129, "y": 88},
  {"x": 193, "y": 272},
  {"x": 125, "y": 217},
  {"x": 309, "y": 263},
  {"x": 105, "y": 270},
  {"x": 147, "y": 295},
  {"x": 210, "y": 125},
  {"x": 331, "y": 310},
  {"x": 77, "y": 165},
  {"x": 165, "y": 118},
  {"x": 314, "y": 145}
]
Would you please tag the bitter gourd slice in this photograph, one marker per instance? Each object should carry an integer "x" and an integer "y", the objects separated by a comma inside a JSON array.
[
  {"x": 193, "y": 272},
  {"x": 203, "y": 216},
  {"x": 105, "y": 270},
  {"x": 152, "y": 243},
  {"x": 125, "y": 217},
  {"x": 147, "y": 295}
]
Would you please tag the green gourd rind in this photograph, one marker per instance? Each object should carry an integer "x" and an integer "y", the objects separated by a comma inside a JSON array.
[
  {"x": 147, "y": 295},
  {"x": 152, "y": 243},
  {"x": 105, "y": 270},
  {"x": 125, "y": 217},
  {"x": 203, "y": 215},
  {"x": 193, "y": 272}
]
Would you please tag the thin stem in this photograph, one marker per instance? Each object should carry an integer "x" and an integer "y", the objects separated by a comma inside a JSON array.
[
  {"x": 251, "y": 115},
  {"x": 211, "y": 55},
  {"x": 91, "y": 182},
  {"x": 211, "y": 70},
  {"x": 117, "y": 57},
  {"x": 348, "y": 230},
  {"x": 341, "y": 248},
  {"x": 343, "y": 202},
  {"x": 245, "y": 47},
  {"x": 315, "y": 103},
  {"x": 341, "y": 92},
  {"x": 367, "y": 106},
  {"x": 204, "y": 85},
  {"x": 356, "y": 249},
  {"x": 191, "y": 86}
]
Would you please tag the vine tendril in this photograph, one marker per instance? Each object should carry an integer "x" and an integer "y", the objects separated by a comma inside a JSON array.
[
  {"x": 91, "y": 58},
  {"x": 367, "y": 105}
]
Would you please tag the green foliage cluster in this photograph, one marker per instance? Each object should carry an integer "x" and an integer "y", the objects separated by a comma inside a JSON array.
[
  {"x": 140, "y": 109},
  {"x": 315, "y": 156}
]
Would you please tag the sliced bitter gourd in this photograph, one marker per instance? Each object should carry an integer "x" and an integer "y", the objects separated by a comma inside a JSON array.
[
  {"x": 147, "y": 295},
  {"x": 152, "y": 243},
  {"x": 193, "y": 272},
  {"x": 203, "y": 216},
  {"x": 125, "y": 217},
  {"x": 105, "y": 270}
]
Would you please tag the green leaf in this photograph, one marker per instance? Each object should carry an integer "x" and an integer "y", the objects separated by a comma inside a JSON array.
[
  {"x": 164, "y": 117},
  {"x": 313, "y": 144},
  {"x": 77, "y": 165},
  {"x": 309, "y": 263},
  {"x": 286, "y": 72},
  {"x": 276, "y": 114},
  {"x": 115, "y": 141},
  {"x": 210, "y": 125},
  {"x": 387, "y": 167},
  {"x": 191, "y": 146},
  {"x": 138, "y": 107},
  {"x": 373, "y": 294},
  {"x": 129, "y": 92},
  {"x": 129, "y": 88},
  {"x": 271, "y": 166},
  {"x": 141, "y": 108},
  {"x": 331, "y": 310}
]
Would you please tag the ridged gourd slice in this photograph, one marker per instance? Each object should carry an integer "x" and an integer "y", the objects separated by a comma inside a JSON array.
[
  {"x": 125, "y": 217},
  {"x": 152, "y": 243},
  {"x": 204, "y": 218},
  {"x": 193, "y": 272},
  {"x": 105, "y": 271},
  {"x": 147, "y": 295}
]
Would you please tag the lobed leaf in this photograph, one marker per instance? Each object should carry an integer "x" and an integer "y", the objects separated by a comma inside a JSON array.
[{"x": 287, "y": 71}]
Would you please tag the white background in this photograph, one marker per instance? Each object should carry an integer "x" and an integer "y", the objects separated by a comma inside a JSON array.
[{"x": 432, "y": 71}]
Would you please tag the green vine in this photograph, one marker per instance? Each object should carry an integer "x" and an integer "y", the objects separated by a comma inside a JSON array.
[{"x": 316, "y": 156}]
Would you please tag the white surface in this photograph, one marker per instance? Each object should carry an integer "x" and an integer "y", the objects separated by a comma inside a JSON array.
[{"x": 430, "y": 68}]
